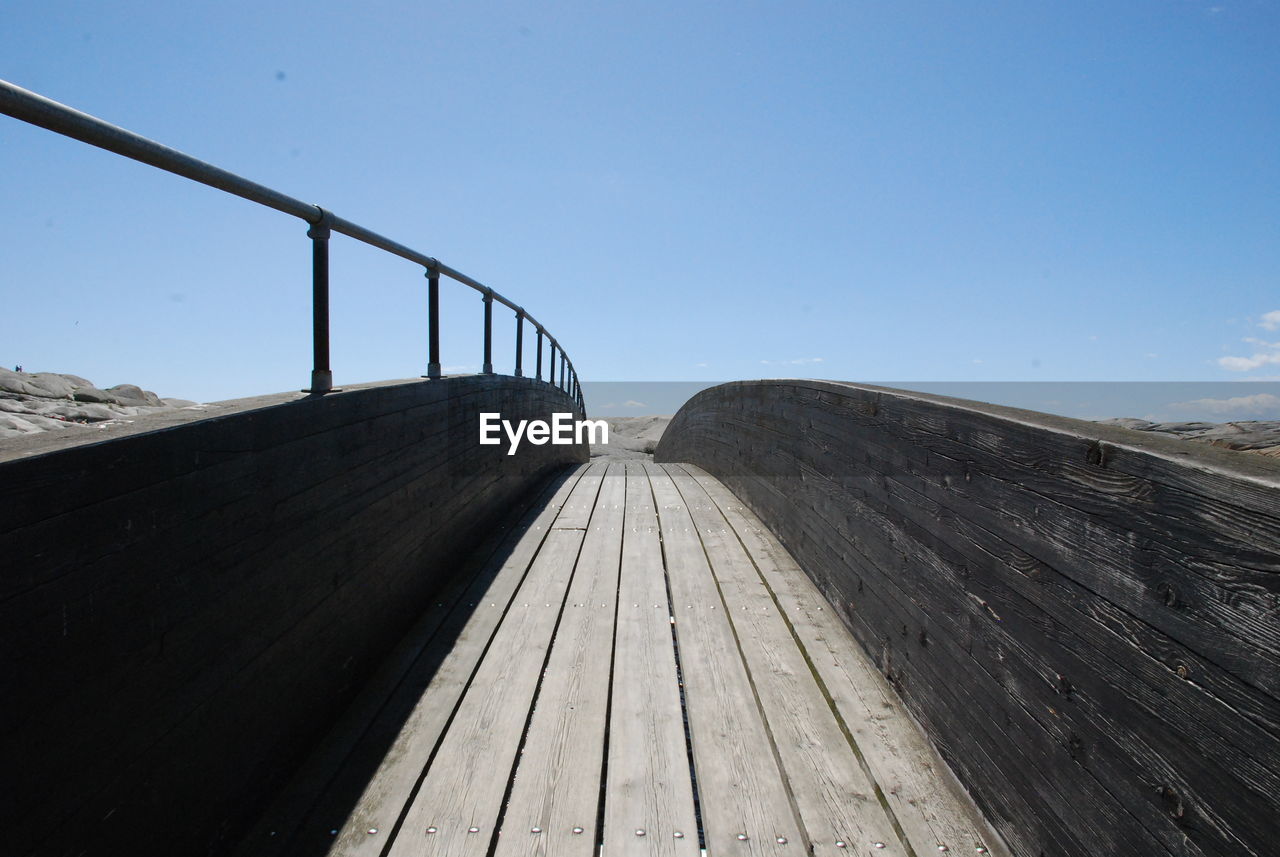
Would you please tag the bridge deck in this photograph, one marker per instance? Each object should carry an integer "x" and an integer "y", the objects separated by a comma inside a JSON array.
[{"x": 638, "y": 667}]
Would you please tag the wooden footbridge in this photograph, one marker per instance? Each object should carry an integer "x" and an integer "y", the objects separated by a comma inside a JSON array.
[
  {"x": 636, "y": 666},
  {"x": 827, "y": 618}
]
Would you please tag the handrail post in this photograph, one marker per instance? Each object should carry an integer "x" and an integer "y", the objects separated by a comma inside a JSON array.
[
  {"x": 487, "y": 368},
  {"x": 321, "y": 374},
  {"x": 551, "y": 362},
  {"x": 519, "y": 341},
  {"x": 433, "y": 322},
  {"x": 564, "y": 361},
  {"x": 539, "y": 375}
]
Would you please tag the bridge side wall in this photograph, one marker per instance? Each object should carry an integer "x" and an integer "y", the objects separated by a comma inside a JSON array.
[
  {"x": 184, "y": 611},
  {"x": 1083, "y": 619}
]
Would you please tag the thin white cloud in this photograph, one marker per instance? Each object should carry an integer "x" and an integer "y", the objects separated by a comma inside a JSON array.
[
  {"x": 1245, "y": 364},
  {"x": 1257, "y": 405},
  {"x": 632, "y": 403},
  {"x": 1265, "y": 353}
]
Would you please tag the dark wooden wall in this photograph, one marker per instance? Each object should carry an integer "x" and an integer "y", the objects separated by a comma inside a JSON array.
[
  {"x": 184, "y": 611},
  {"x": 1086, "y": 620}
]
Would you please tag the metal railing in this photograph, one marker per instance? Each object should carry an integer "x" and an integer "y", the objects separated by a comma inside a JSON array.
[{"x": 37, "y": 110}]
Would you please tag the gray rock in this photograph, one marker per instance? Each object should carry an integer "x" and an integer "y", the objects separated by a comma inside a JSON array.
[
  {"x": 45, "y": 423},
  {"x": 130, "y": 394},
  {"x": 14, "y": 425},
  {"x": 1128, "y": 422},
  {"x": 15, "y": 406},
  {"x": 50, "y": 385},
  {"x": 20, "y": 383},
  {"x": 45, "y": 401},
  {"x": 1246, "y": 435},
  {"x": 76, "y": 380},
  {"x": 93, "y": 394},
  {"x": 86, "y": 413}
]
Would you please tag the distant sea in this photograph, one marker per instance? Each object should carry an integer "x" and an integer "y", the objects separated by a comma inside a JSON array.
[{"x": 1157, "y": 401}]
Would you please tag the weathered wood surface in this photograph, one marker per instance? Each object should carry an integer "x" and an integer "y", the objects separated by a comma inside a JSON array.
[
  {"x": 835, "y": 799},
  {"x": 184, "y": 612},
  {"x": 648, "y": 784},
  {"x": 901, "y": 769},
  {"x": 745, "y": 800},
  {"x": 376, "y": 753},
  {"x": 1084, "y": 620},
  {"x": 557, "y": 781},
  {"x": 549, "y": 718},
  {"x": 925, "y": 800}
]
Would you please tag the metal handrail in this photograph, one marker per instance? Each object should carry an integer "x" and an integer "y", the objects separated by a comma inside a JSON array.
[{"x": 37, "y": 110}]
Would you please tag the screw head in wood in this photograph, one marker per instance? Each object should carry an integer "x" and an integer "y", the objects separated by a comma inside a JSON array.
[
  {"x": 431, "y": 830},
  {"x": 535, "y": 829},
  {"x": 878, "y": 844},
  {"x": 679, "y": 835},
  {"x": 473, "y": 830},
  {"x": 639, "y": 832},
  {"x": 577, "y": 830},
  {"x": 742, "y": 837},
  {"x": 840, "y": 843},
  {"x": 371, "y": 831},
  {"x": 782, "y": 840},
  {"x": 981, "y": 849},
  {"x": 943, "y": 848}
]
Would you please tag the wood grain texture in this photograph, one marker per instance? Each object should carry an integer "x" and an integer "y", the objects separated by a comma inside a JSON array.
[
  {"x": 491, "y": 718},
  {"x": 649, "y": 786},
  {"x": 1113, "y": 597},
  {"x": 835, "y": 799},
  {"x": 927, "y": 802},
  {"x": 558, "y": 775},
  {"x": 549, "y": 700},
  {"x": 383, "y": 740},
  {"x": 746, "y": 808}
]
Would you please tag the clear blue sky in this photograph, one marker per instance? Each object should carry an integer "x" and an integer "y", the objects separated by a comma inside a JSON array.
[{"x": 931, "y": 191}]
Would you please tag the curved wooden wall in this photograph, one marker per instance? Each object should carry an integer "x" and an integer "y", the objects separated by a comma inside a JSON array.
[
  {"x": 184, "y": 611},
  {"x": 1086, "y": 620}
]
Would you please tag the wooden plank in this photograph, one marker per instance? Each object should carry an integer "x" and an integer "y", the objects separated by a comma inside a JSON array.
[
  {"x": 557, "y": 779},
  {"x": 304, "y": 809},
  {"x": 648, "y": 786},
  {"x": 456, "y": 808},
  {"x": 928, "y": 802},
  {"x": 836, "y": 800},
  {"x": 746, "y": 808},
  {"x": 444, "y": 682}
]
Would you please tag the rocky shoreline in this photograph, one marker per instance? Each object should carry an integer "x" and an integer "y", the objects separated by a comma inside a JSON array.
[
  {"x": 1257, "y": 436},
  {"x": 33, "y": 402}
]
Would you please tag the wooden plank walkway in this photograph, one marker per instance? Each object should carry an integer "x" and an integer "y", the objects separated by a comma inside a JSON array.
[{"x": 636, "y": 668}]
